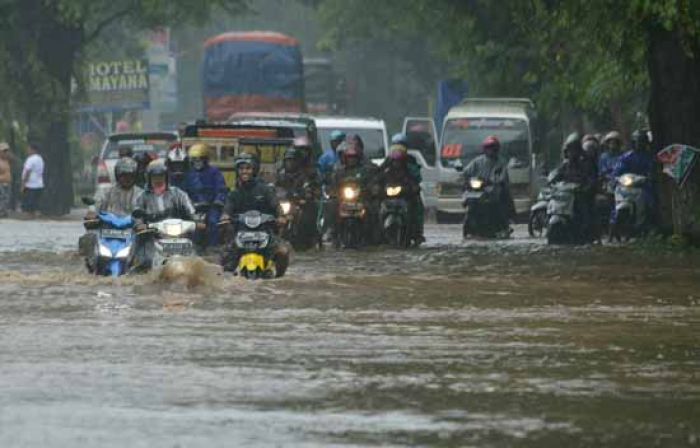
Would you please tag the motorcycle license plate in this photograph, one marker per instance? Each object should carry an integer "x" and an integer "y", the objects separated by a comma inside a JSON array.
[
  {"x": 116, "y": 233},
  {"x": 474, "y": 195},
  {"x": 176, "y": 247}
]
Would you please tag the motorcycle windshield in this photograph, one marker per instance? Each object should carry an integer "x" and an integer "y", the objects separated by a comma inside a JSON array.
[{"x": 117, "y": 221}]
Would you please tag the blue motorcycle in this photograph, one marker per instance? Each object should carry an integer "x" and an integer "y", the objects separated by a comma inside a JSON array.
[{"x": 115, "y": 238}]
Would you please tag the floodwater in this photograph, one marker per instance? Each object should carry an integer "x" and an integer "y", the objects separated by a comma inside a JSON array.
[{"x": 456, "y": 344}]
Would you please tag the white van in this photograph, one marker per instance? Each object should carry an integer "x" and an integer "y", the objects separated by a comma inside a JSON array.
[
  {"x": 465, "y": 127},
  {"x": 372, "y": 131}
]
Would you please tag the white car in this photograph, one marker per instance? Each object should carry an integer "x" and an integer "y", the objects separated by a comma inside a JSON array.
[
  {"x": 372, "y": 131},
  {"x": 140, "y": 142}
]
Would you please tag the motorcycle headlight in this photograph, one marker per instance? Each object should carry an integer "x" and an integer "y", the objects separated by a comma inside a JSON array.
[
  {"x": 124, "y": 253},
  {"x": 476, "y": 183},
  {"x": 393, "y": 191},
  {"x": 286, "y": 207},
  {"x": 105, "y": 252},
  {"x": 626, "y": 180},
  {"x": 253, "y": 221},
  {"x": 173, "y": 229},
  {"x": 350, "y": 193}
]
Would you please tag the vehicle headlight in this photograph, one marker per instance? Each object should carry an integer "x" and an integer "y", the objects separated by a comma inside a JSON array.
[
  {"x": 626, "y": 180},
  {"x": 476, "y": 183},
  {"x": 105, "y": 251},
  {"x": 252, "y": 221},
  {"x": 393, "y": 191},
  {"x": 286, "y": 207},
  {"x": 173, "y": 229},
  {"x": 350, "y": 193},
  {"x": 124, "y": 252}
]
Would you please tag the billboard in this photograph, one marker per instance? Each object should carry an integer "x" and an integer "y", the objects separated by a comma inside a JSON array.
[{"x": 116, "y": 85}]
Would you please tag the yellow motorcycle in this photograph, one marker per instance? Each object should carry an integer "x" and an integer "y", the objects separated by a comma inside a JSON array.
[{"x": 253, "y": 240}]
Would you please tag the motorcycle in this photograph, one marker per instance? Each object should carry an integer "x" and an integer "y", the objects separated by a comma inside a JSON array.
[
  {"x": 172, "y": 240},
  {"x": 254, "y": 232},
  {"x": 631, "y": 208},
  {"x": 481, "y": 203},
  {"x": 394, "y": 216},
  {"x": 115, "y": 238},
  {"x": 301, "y": 214},
  {"x": 561, "y": 222},
  {"x": 537, "y": 223},
  {"x": 351, "y": 216}
]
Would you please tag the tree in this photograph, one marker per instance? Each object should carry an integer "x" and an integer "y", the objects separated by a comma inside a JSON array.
[{"x": 41, "y": 43}]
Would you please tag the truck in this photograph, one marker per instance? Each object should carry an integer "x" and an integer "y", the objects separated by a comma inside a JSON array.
[{"x": 257, "y": 71}]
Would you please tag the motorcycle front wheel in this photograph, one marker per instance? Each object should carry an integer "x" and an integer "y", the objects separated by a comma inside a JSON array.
[{"x": 537, "y": 224}]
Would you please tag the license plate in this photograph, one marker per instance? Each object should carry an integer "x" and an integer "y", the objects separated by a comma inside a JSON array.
[
  {"x": 349, "y": 206},
  {"x": 116, "y": 233},
  {"x": 474, "y": 195},
  {"x": 176, "y": 247}
]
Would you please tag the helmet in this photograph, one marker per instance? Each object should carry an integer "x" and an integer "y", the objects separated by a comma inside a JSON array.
[
  {"x": 591, "y": 146},
  {"x": 397, "y": 154},
  {"x": 573, "y": 143},
  {"x": 156, "y": 168},
  {"x": 246, "y": 159},
  {"x": 354, "y": 139},
  {"x": 399, "y": 139},
  {"x": 398, "y": 147},
  {"x": 125, "y": 165},
  {"x": 591, "y": 138},
  {"x": 612, "y": 135},
  {"x": 176, "y": 154},
  {"x": 640, "y": 139},
  {"x": 198, "y": 151},
  {"x": 491, "y": 142},
  {"x": 337, "y": 136}
]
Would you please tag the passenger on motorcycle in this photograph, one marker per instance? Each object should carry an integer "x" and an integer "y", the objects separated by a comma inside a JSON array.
[
  {"x": 612, "y": 147},
  {"x": 639, "y": 161},
  {"x": 295, "y": 174},
  {"x": 158, "y": 202},
  {"x": 576, "y": 168},
  {"x": 206, "y": 188},
  {"x": 143, "y": 159},
  {"x": 400, "y": 143},
  {"x": 120, "y": 199},
  {"x": 251, "y": 194},
  {"x": 493, "y": 170},
  {"x": 329, "y": 158},
  {"x": 177, "y": 166}
]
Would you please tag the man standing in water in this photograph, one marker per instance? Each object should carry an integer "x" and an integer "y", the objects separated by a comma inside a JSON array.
[
  {"x": 32, "y": 181},
  {"x": 5, "y": 179}
]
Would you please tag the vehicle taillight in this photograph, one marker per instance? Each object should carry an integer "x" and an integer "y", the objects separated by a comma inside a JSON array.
[{"x": 103, "y": 173}]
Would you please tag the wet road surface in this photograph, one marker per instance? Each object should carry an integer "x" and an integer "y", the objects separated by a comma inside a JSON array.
[{"x": 455, "y": 344}]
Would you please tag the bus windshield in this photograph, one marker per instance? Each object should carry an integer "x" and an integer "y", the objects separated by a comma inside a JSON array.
[{"x": 462, "y": 138}]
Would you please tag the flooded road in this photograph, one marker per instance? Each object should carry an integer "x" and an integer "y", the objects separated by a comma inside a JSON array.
[{"x": 456, "y": 344}]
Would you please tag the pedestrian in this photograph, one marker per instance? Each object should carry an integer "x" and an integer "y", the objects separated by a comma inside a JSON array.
[
  {"x": 32, "y": 181},
  {"x": 5, "y": 180}
]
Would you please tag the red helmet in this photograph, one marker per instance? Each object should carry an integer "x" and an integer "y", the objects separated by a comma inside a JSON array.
[{"x": 491, "y": 142}]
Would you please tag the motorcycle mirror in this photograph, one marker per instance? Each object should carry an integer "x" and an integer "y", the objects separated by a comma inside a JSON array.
[{"x": 87, "y": 200}]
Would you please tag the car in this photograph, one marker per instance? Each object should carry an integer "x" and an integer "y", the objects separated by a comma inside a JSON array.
[
  {"x": 372, "y": 131},
  {"x": 154, "y": 142}
]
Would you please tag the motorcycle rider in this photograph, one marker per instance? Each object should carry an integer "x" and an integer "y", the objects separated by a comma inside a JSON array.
[
  {"x": 492, "y": 169},
  {"x": 177, "y": 166},
  {"x": 120, "y": 199},
  {"x": 205, "y": 186},
  {"x": 252, "y": 193},
  {"x": 400, "y": 144},
  {"x": 159, "y": 201},
  {"x": 294, "y": 177},
  {"x": 355, "y": 165},
  {"x": 329, "y": 158},
  {"x": 576, "y": 168},
  {"x": 612, "y": 147},
  {"x": 639, "y": 161},
  {"x": 396, "y": 171},
  {"x": 143, "y": 159}
]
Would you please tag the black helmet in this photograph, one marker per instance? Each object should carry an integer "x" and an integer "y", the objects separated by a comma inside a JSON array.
[
  {"x": 246, "y": 159},
  {"x": 573, "y": 143},
  {"x": 640, "y": 139},
  {"x": 155, "y": 168},
  {"x": 125, "y": 165}
]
